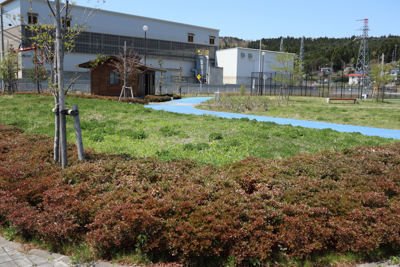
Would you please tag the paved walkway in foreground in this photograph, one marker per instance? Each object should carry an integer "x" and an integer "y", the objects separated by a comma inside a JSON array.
[
  {"x": 12, "y": 254},
  {"x": 186, "y": 106}
]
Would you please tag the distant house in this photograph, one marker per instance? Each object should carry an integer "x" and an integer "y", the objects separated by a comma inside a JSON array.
[
  {"x": 357, "y": 78},
  {"x": 326, "y": 70},
  {"x": 394, "y": 72},
  {"x": 105, "y": 81}
]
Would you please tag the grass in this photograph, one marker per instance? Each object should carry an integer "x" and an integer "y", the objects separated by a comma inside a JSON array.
[
  {"x": 364, "y": 113},
  {"x": 122, "y": 128}
]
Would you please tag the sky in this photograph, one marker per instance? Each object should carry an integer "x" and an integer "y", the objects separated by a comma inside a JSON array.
[{"x": 255, "y": 19}]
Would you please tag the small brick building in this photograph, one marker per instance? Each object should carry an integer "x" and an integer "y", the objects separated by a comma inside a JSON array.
[{"x": 105, "y": 81}]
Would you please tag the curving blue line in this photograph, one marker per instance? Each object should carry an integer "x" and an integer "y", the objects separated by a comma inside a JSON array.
[{"x": 183, "y": 106}]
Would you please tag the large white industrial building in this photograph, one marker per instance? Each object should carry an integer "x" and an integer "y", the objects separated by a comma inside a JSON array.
[
  {"x": 193, "y": 46},
  {"x": 239, "y": 63}
]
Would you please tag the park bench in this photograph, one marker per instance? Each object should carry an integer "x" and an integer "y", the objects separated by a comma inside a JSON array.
[{"x": 352, "y": 99}]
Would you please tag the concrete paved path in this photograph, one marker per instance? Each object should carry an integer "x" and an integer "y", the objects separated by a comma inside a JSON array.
[
  {"x": 186, "y": 106},
  {"x": 12, "y": 254}
]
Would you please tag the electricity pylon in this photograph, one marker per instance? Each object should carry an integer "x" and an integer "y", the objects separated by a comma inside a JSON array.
[
  {"x": 363, "y": 54},
  {"x": 281, "y": 48}
]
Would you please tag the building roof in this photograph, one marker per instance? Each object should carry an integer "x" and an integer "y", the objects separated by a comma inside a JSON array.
[
  {"x": 252, "y": 49},
  {"x": 113, "y": 12},
  {"x": 142, "y": 66},
  {"x": 357, "y": 74},
  {"x": 6, "y": 2}
]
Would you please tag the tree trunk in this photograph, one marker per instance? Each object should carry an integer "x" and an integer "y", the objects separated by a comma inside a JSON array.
[
  {"x": 56, "y": 112},
  {"x": 61, "y": 95}
]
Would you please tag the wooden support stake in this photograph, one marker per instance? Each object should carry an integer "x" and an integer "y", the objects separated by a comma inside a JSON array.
[
  {"x": 78, "y": 133},
  {"x": 57, "y": 134}
]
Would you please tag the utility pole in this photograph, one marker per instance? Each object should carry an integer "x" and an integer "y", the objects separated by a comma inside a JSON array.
[
  {"x": 302, "y": 54},
  {"x": 301, "y": 60},
  {"x": 259, "y": 67},
  {"x": 259, "y": 59}
]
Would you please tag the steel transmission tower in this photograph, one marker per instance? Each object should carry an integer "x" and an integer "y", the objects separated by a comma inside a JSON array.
[
  {"x": 363, "y": 54},
  {"x": 281, "y": 48}
]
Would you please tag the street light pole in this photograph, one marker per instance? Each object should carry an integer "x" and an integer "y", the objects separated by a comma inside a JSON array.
[
  {"x": 262, "y": 73},
  {"x": 145, "y": 28}
]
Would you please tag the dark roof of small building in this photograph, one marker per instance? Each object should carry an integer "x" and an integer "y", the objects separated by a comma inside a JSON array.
[{"x": 141, "y": 65}]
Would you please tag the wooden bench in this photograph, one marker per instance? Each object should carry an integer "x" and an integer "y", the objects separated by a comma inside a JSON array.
[{"x": 352, "y": 99}]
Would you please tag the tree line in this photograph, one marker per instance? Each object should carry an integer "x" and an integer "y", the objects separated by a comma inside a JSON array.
[{"x": 320, "y": 52}]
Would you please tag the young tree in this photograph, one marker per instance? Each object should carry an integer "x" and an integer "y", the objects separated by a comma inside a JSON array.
[
  {"x": 288, "y": 70},
  {"x": 37, "y": 74},
  {"x": 127, "y": 66},
  {"x": 380, "y": 76},
  {"x": 161, "y": 78},
  {"x": 9, "y": 68},
  {"x": 179, "y": 79},
  {"x": 56, "y": 38}
]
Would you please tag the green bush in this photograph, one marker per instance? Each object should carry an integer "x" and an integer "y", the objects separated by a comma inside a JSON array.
[
  {"x": 242, "y": 89},
  {"x": 140, "y": 134},
  {"x": 156, "y": 98},
  {"x": 169, "y": 131},
  {"x": 215, "y": 136},
  {"x": 198, "y": 147}
]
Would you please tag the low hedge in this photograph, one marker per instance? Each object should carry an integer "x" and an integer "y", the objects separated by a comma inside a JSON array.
[
  {"x": 255, "y": 210},
  {"x": 114, "y": 98},
  {"x": 161, "y": 98}
]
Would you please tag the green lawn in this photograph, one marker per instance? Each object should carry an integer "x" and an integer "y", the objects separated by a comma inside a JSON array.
[
  {"x": 110, "y": 126},
  {"x": 364, "y": 113}
]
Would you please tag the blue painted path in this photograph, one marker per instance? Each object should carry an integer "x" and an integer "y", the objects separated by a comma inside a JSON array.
[{"x": 186, "y": 106}]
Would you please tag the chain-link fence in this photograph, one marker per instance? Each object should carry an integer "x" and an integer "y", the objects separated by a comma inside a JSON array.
[
  {"x": 265, "y": 84},
  {"x": 23, "y": 86},
  {"x": 261, "y": 84}
]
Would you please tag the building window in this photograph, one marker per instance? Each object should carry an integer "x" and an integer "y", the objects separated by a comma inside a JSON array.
[
  {"x": 114, "y": 78},
  {"x": 212, "y": 40},
  {"x": 190, "y": 37},
  {"x": 68, "y": 22},
  {"x": 32, "y": 18}
]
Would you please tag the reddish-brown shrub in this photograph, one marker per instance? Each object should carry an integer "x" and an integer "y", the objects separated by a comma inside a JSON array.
[{"x": 252, "y": 210}]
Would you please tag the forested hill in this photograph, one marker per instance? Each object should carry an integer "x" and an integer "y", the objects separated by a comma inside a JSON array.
[{"x": 319, "y": 52}]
